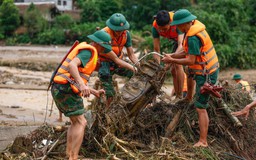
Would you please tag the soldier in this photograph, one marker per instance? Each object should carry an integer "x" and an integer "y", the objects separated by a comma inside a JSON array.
[
  {"x": 70, "y": 85},
  {"x": 200, "y": 56},
  {"x": 244, "y": 85},
  {"x": 161, "y": 27},
  {"x": 112, "y": 62}
]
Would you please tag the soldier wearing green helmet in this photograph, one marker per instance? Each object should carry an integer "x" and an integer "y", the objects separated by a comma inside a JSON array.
[
  {"x": 241, "y": 84},
  {"x": 202, "y": 61},
  {"x": 112, "y": 62},
  {"x": 70, "y": 83}
]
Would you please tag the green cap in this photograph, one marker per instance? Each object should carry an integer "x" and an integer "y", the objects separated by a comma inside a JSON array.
[
  {"x": 237, "y": 77},
  {"x": 182, "y": 16},
  {"x": 117, "y": 22},
  {"x": 102, "y": 38}
]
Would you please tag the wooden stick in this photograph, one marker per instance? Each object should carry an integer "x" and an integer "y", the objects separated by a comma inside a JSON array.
[
  {"x": 125, "y": 150},
  {"x": 227, "y": 111},
  {"x": 53, "y": 146},
  {"x": 173, "y": 124}
]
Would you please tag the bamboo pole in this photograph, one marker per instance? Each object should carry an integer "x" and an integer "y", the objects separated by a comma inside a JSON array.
[
  {"x": 173, "y": 124},
  {"x": 227, "y": 111}
]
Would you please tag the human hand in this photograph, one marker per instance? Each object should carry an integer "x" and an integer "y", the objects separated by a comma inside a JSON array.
[
  {"x": 85, "y": 90},
  {"x": 98, "y": 93},
  {"x": 167, "y": 58},
  {"x": 244, "y": 112},
  {"x": 135, "y": 70}
]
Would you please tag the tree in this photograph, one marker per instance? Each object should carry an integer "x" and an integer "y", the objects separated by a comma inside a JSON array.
[
  {"x": 64, "y": 21},
  {"x": 91, "y": 11},
  {"x": 9, "y": 17},
  {"x": 33, "y": 20}
]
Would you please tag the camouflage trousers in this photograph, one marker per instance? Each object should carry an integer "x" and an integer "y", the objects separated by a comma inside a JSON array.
[
  {"x": 202, "y": 99},
  {"x": 106, "y": 72},
  {"x": 66, "y": 100}
]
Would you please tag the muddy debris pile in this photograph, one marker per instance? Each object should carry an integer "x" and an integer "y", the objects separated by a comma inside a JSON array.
[
  {"x": 131, "y": 129},
  {"x": 161, "y": 131}
]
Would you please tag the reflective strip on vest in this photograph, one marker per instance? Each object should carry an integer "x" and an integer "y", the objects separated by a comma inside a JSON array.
[
  {"x": 63, "y": 75},
  {"x": 81, "y": 75},
  {"x": 204, "y": 71},
  {"x": 68, "y": 60},
  {"x": 207, "y": 61},
  {"x": 64, "y": 67},
  {"x": 205, "y": 53}
]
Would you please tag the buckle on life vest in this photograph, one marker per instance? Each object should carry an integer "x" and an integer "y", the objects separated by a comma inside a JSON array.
[{"x": 211, "y": 89}]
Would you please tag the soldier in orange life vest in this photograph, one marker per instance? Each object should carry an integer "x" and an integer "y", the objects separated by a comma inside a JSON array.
[
  {"x": 70, "y": 83},
  {"x": 200, "y": 56},
  {"x": 112, "y": 62},
  {"x": 244, "y": 85},
  {"x": 161, "y": 27}
]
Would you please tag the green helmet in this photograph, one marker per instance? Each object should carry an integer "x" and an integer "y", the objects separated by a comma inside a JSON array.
[
  {"x": 117, "y": 22},
  {"x": 237, "y": 77},
  {"x": 102, "y": 38},
  {"x": 182, "y": 16}
]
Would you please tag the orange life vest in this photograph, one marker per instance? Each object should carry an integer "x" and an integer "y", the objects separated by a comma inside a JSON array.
[
  {"x": 171, "y": 33},
  {"x": 207, "y": 62},
  {"x": 117, "y": 44},
  {"x": 245, "y": 85},
  {"x": 63, "y": 76}
]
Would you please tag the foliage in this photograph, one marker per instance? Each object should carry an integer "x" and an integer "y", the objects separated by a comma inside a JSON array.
[
  {"x": 33, "y": 20},
  {"x": 51, "y": 36},
  {"x": 11, "y": 41},
  {"x": 24, "y": 38},
  {"x": 9, "y": 17},
  {"x": 1, "y": 36},
  {"x": 63, "y": 21},
  {"x": 80, "y": 32},
  {"x": 91, "y": 11},
  {"x": 230, "y": 29},
  {"x": 139, "y": 14},
  {"x": 109, "y": 7},
  {"x": 97, "y": 10}
]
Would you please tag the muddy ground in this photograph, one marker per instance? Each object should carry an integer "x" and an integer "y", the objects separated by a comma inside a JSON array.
[{"x": 24, "y": 76}]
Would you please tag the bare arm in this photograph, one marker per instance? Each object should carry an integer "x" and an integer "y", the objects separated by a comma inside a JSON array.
[
  {"x": 73, "y": 69},
  {"x": 120, "y": 62},
  {"x": 131, "y": 55},
  {"x": 156, "y": 42},
  {"x": 179, "y": 53},
  {"x": 85, "y": 90},
  {"x": 180, "y": 47},
  {"x": 183, "y": 61},
  {"x": 245, "y": 111}
]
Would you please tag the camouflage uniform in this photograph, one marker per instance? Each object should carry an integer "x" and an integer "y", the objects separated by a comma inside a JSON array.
[
  {"x": 66, "y": 100},
  {"x": 106, "y": 72}
]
